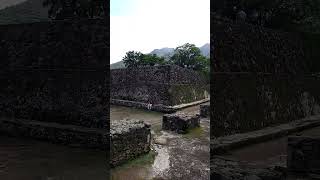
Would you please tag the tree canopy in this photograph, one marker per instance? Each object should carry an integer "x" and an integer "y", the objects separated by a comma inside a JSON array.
[{"x": 136, "y": 59}]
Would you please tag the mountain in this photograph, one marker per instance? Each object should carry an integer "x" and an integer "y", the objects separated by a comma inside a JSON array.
[
  {"x": 163, "y": 52},
  {"x": 205, "y": 50},
  {"x": 166, "y": 53},
  {"x": 117, "y": 65},
  {"x": 22, "y": 11}
]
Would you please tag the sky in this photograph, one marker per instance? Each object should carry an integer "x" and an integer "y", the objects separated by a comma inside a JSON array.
[{"x": 144, "y": 25}]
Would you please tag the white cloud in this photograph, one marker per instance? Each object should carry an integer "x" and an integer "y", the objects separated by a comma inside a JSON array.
[{"x": 160, "y": 23}]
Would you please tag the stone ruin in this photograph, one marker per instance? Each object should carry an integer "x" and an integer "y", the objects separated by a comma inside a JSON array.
[
  {"x": 54, "y": 81},
  {"x": 128, "y": 140},
  {"x": 160, "y": 88},
  {"x": 303, "y": 154},
  {"x": 180, "y": 122},
  {"x": 205, "y": 110}
]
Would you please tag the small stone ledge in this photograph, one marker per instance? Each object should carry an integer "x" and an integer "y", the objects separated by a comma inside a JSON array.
[
  {"x": 155, "y": 107},
  {"x": 129, "y": 139},
  {"x": 57, "y": 133},
  {"x": 224, "y": 144},
  {"x": 180, "y": 122},
  {"x": 205, "y": 110}
]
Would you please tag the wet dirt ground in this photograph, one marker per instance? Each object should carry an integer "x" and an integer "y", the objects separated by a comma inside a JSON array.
[
  {"x": 25, "y": 159},
  {"x": 177, "y": 157}
]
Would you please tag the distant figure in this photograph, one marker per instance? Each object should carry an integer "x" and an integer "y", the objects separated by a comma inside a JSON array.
[{"x": 149, "y": 106}]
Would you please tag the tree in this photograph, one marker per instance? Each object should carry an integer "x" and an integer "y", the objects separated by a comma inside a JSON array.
[
  {"x": 189, "y": 56},
  {"x": 65, "y": 9},
  {"x": 132, "y": 59},
  {"x": 138, "y": 59},
  {"x": 151, "y": 60}
]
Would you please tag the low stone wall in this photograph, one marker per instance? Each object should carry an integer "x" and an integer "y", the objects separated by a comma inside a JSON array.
[
  {"x": 57, "y": 133},
  {"x": 128, "y": 140},
  {"x": 245, "y": 102},
  {"x": 159, "y": 85}
]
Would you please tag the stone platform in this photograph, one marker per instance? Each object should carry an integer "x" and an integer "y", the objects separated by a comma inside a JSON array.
[
  {"x": 180, "y": 122},
  {"x": 129, "y": 139}
]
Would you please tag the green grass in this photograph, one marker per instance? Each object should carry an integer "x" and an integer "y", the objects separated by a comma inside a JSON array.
[
  {"x": 197, "y": 132},
  {"x": 142, "y": 160}
]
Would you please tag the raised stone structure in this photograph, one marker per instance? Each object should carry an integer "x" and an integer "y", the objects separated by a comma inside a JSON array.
[
  {"x": 54, "y": 79},
  {"x": 161, "y": 88},
  {"x": 205, "y": 110},
  {"x": 180, "y": 122},
  {"x": 303, "y": 154},
  {"x": 128, "y": 140},
  {"x": 259, "y": 78}
]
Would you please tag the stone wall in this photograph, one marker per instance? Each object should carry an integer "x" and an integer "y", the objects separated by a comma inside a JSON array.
[
  {"x": 260, "y": 78},
  {"x": 166, "y": 85},
  {"x": 245, "y": 102},
  {"x": 129, "y": 139},
  {"x": 55, "y": 71},
  {"x": 241, "y": 47}
]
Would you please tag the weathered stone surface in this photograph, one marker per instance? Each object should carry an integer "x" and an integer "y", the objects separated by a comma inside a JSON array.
[
  {"x": 245, "y": 102},
  {"x": 303, "y": 154},
  {"x": 153, "y": 87},
  {"x": 57, "y": 133},
  {"x": 180, "y": 122},
  {"x": 226, "y": 169},
  {"x": 223, "y": 144},
  {"x": 241, "y": 47},
  {"x": 55, "y": 71},
  {"x": 205, "y": 110},
  {"x": 128, "y": 139}
]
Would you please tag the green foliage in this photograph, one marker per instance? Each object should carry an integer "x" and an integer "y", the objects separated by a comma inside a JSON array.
[
  {"x": 189, "y": 56},
  {"x": 136, "y": 59},
  {"x": 63, "y": 9}
]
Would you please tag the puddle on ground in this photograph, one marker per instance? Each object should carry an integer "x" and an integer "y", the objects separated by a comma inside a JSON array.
[{"x": 162, "y": 162}]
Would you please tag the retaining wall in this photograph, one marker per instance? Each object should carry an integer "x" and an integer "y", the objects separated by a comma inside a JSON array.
[
  {"x": 260, "y": 78},
  {"x": 159, "y": 85},
  {"x": 55, "y": 73}
]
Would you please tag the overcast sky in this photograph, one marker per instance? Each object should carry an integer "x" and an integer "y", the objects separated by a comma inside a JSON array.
[{"x": 144, "y": 25}]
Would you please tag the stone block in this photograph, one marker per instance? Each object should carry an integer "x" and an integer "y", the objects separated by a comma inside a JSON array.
[
  {"x": 129, "y": 139},
  {"x": 205, "y": 110},
  {"x": 303, "y": 154},
  {"x": 180, "y": 122}
]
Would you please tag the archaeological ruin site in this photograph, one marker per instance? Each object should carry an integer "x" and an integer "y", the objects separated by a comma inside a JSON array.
[{"x": 264, "y": 103}]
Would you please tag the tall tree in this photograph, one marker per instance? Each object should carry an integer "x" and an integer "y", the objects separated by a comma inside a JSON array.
[
  {"x": 188, "y": 56},
  {"x": 132, "y": 59}
]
